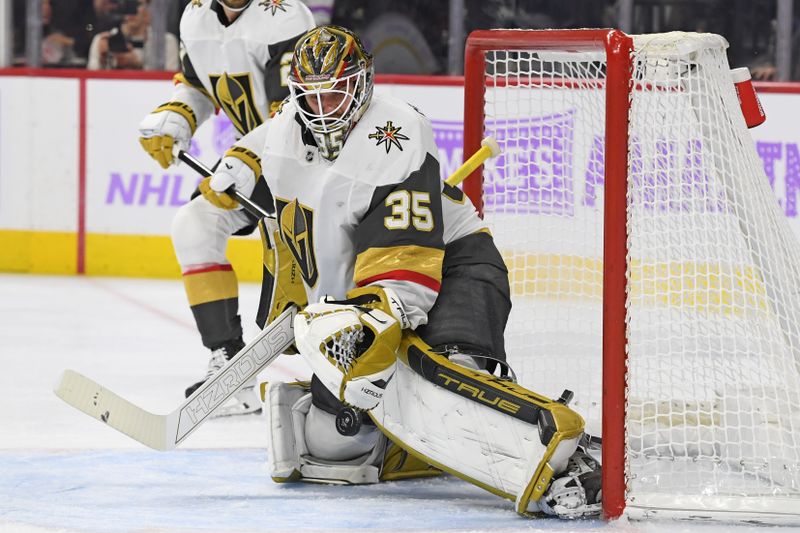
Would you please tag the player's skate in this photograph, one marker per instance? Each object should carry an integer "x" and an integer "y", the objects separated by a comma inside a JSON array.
[{"x": 246, "y": 400}]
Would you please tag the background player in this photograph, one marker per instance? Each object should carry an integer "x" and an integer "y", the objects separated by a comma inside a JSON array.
[
  {"x": 235, "y": 56},
  {"x": 374, "y": 231}
]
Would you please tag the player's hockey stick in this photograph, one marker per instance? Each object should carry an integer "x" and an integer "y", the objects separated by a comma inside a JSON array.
[
  {"x": 164, "y": 432},
  {"x": 248, "y": 205}
]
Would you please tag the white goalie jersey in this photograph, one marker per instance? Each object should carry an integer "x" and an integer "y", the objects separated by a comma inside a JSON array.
[
  {"x": 378, "y": 214},
  {"x": 239, "y": 67}
]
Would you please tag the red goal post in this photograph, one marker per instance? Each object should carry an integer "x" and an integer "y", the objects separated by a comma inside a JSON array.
[
  {"x": 618, "y": 47},
  {"x": 679, "y": 174}
]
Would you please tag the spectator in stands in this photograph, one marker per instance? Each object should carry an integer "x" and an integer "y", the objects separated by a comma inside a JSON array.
[
  {"x": 406, "y": 38},
  {"x": 127, "y": 46},
  {"x": 67, "y": 28},
  {"x": 763, "y": 67},
  {"x": 174, "y": 12},
  {"x": 321, "y": 9},
  {"x": 106, "y": 12}
]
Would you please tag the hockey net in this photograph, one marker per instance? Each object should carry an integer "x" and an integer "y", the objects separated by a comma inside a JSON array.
[{"x": 629, "y": 182}]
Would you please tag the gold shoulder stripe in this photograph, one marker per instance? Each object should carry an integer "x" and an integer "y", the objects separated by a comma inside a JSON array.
[{"x": 420, "y": 259}]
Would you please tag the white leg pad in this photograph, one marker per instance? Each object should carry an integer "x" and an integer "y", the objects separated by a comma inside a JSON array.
[
  {"x": 304, "y": 444},
  {"x": 325, "y": 442},
  {"x": 283, "y": 447},
  {"x": 470, "y": 440}
]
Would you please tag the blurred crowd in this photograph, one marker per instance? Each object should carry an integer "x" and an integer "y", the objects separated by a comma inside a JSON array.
[{"x": 409, "y": 37}]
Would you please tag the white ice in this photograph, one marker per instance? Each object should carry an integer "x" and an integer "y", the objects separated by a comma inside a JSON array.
[{"x": 63, "y": 471}]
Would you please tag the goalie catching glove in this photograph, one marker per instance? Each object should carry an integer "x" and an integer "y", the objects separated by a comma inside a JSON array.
[
  {"x": 169, "y": 125},
  {"x": 352, "y": 345}
]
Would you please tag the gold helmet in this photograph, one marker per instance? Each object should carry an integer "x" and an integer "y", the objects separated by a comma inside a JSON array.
[{"x": 330, "y": 82}]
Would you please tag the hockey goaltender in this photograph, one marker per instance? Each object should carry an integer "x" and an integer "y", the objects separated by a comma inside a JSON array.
[
  {"x": 409, "y": 300},
  {"x": 389, "y": 285}
]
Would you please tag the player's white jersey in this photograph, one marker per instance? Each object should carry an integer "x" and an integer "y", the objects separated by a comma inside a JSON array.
[
  {"x": 373, "y": 215},
  {"x": 242, "y": 66}
]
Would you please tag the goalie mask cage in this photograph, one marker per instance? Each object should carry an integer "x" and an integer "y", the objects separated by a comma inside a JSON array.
[{"x": 652, "y": 271}]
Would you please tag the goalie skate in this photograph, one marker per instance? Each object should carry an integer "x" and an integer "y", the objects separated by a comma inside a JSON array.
[{"x": 576, "y": 493}]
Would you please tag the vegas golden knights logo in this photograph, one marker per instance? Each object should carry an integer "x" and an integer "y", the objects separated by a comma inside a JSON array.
[
  {"x": 234, "y": 94},
  {"x": 296, "y": 225}
]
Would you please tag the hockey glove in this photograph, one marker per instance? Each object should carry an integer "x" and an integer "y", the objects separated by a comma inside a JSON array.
[
  {"x": 239, "y": 168},
  {"x": 169, "y": 125},
  {"x": 217, "y": 199},
  {"x": 351, "y": 349}
]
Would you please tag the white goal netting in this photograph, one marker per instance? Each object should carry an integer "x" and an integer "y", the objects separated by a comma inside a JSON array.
[{"x": 713, "y": 323}]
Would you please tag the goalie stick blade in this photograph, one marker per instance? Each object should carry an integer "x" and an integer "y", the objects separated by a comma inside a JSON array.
[
  {"x": 241, "y": 368},
  {"x": 113, "y": 410},
  {"x": 164, "y": 432}
]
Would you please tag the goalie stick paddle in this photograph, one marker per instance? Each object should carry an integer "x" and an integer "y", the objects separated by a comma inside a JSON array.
[{"x": 165, "y": 432}]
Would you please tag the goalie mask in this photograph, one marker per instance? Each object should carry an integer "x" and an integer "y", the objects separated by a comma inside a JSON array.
[{"x": 331, "y": 84}]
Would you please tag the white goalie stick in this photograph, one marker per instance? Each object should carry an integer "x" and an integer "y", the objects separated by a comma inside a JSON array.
[{"x": 165, "y": 432}]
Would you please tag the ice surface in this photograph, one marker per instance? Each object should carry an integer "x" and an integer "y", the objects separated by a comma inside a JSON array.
[{"x": 63, "y": 471}]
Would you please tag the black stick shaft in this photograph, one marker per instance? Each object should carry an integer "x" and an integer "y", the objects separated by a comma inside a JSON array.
[{"x": 249, "y": 206}]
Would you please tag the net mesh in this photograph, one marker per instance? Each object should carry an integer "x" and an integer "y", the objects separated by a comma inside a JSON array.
[{"x": 713, "y": 323}]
